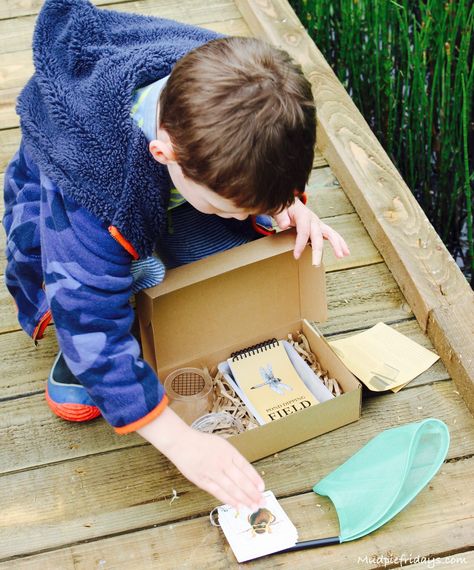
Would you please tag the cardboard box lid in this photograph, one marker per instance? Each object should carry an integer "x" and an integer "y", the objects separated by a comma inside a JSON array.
[{"x": 229, "y": 297}]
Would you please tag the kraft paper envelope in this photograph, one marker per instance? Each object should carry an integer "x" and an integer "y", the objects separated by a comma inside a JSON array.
[{"x": 382, "y": 358}]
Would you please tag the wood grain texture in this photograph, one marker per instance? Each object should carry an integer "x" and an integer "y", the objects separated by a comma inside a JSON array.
[
  {"x": 362, "y": 297},
  {"x": 131, "y": 488},
  {"x": 425, "y": 271},
  {"x": 432, "y": 523},
  {"x": 9, "y": 143},
  {"x": 451, "y": 330},
  {"x": 461, "y": 559}
]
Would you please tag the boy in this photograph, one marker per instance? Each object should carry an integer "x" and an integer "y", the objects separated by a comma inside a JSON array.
[{"x": 121, "y": 108}]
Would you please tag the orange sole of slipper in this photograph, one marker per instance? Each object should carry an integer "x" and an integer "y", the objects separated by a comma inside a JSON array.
[{"x": 73, "y": 412}]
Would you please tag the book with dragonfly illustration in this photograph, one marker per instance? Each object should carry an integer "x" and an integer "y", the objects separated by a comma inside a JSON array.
[{"x": 268, "y": 379}]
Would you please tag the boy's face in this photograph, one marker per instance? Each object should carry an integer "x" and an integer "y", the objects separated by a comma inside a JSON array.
[{"x": 201, "y": 197}]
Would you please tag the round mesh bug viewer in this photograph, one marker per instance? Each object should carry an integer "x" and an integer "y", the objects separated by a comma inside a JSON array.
[{"x": 190, "y": 393}]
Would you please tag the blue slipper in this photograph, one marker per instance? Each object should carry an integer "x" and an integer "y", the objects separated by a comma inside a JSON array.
[{"x": 66, "y": 397}]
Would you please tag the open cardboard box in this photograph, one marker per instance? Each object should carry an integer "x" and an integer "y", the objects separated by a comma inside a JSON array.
[{"x": 205, "y": 310}]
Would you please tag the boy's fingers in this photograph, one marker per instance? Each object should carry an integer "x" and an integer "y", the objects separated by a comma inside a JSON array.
[
  {"x": 216, "y": 490},
  {"x": 345, "y": 247},
  {"x": 283, "y": 220},
  {"x": 250, "y": 472},
  {"x": 336, "y": 240},
  {"x": 239, "y": 487},
  {"x": 303, "y": 230},
  {"x": 316, "y": 243},
  {"x": 240, "y": 480},
  {"x": 342, "y": 250}
]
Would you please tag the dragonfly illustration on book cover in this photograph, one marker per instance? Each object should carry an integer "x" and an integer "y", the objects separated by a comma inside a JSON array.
[{"x": 275, "y": 384}]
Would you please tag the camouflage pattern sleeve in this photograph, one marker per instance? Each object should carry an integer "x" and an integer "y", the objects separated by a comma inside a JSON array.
[
  {"x": 23, "y": 271},
  {"x": 88, "y": 285}
]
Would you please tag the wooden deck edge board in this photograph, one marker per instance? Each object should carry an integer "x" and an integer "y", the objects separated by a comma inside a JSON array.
[{"x": 420, "y": 263}]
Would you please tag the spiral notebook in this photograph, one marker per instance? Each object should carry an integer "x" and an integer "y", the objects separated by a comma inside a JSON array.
[{"x": 269, "y": 380}]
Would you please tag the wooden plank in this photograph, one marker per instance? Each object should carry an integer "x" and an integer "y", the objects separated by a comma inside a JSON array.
[
  {"x": 362, "y": 297},
  {"x": 425, "y": 271},
  {"x": 29, "y": 419},
  {"x": 460, "y": 559},
  {"x": 170, "y": 8},
  {"x": 451, "y": 330},
  {"x": 325, "y": 195},
  {"x": 8, "y": 116},
  {"x": 437, "y": 522},
  {"x": 9, "y": 143},
  {"x": 15, "y": 70},
  {"x": 25, "y": 366},
  {"x": 101, "y": 494},
  {"x": 319, "y": 160},
  {"x": 8, "y": 311}
]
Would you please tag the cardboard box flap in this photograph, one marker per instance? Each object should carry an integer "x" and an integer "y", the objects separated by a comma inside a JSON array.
[{"x": 227, "y": 298}]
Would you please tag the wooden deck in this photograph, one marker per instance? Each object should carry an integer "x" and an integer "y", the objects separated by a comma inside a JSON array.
[{"x": 81, "y": 497}]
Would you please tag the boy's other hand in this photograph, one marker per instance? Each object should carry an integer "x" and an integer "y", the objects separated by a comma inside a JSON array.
[
  {"x": 310, "y": 227},
  {"x": 208, "y": 461}
]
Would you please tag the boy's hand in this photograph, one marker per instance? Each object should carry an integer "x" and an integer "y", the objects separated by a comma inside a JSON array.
[
  {"x": 212, "y": 463},
  {"x": 309, "y": 226},
  {"x": 208, "y": 461}
]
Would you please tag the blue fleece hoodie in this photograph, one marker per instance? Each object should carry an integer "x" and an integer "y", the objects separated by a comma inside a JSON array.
[{"x": 75, "y": 110}]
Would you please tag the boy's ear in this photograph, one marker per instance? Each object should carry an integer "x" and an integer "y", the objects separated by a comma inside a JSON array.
[{"x": 162, "y": 151}]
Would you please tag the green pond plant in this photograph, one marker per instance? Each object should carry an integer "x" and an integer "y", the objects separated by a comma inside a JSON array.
[{"x": 408, "y": 66}]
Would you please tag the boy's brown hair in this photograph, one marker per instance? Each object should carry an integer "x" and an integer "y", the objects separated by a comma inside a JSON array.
[{"x": 241, "y": 117}]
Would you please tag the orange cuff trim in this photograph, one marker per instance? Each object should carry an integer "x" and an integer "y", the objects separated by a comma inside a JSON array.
[
  {"x": 145, "y": 420},
  {"x": 38, "y": 333},
  {"x": 115, "y": 233}
]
